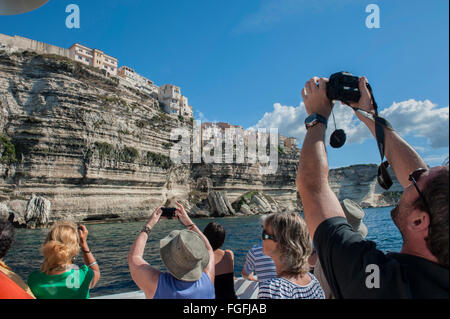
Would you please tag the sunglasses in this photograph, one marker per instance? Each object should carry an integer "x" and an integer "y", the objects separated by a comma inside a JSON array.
[
  {"x": 266, "y": 236},
  {"x": 414, "y": 178}
]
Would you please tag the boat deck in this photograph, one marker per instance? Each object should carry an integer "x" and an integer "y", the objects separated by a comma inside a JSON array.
[{"x": 245, "y": 289}]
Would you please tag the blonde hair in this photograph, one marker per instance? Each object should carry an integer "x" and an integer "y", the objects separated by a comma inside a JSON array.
[
  {"x": 293, "y": 242},
  {"x": 60, "y": 246}
]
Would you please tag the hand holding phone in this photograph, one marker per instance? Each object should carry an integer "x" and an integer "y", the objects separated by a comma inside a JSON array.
[{"x": 168, "y": 212}]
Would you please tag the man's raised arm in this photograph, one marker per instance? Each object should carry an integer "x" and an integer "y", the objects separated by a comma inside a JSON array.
[
  {"x": 319, "y": 201},
  {"x": 400, "y": 155}
]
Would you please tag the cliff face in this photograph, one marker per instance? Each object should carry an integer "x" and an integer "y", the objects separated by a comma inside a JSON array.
[
  {"x": 98, "y": 150},
  {"x": 94, "y": 148}
]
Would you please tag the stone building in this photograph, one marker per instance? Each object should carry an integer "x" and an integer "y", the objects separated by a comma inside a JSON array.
[
  {"x": 18, "y": 42},
  {"x": 137, "y": 80},
  {"x": 287, "y": 142},
  {"x": 94, "y": 57},
  {"x": 173, "y": 101}
]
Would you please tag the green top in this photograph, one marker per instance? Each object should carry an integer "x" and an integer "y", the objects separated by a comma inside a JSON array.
[{"x": 72, "y": 284}]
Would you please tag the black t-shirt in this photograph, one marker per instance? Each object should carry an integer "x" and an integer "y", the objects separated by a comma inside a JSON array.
[{"x": 355, "y": 268}]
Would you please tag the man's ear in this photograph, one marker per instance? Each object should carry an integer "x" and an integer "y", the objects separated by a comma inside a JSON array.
[{"x": 418, "y": 221}]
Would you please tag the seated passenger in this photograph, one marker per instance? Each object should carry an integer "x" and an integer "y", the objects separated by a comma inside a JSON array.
[
  {"x": 187, "y": 256},
  {"x": 224, "y": 262},
  {"x": 6, "y": 240},
  {"x": 286, "y": 239},
  {"x": 58, "y": 278}
]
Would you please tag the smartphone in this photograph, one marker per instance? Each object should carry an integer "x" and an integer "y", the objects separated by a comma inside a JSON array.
[{"x": 168, "y": 212}]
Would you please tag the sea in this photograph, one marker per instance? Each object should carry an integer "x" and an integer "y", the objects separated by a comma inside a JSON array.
[{"x": 110, "y": 244}]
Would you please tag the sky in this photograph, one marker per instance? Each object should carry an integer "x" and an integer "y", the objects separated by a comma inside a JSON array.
[{"x": 245, "y": 62}]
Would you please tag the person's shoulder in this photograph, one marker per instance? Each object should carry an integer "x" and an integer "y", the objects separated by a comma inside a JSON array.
[
  {"x": 256, "y": 249},
  {"x": 339, "y": 230},
  {"x": 35, "y": 274},
  {"x": 34, "y": 277},
  {"x": 229, "y": 253},
  {"x": 274, "y": 281}
]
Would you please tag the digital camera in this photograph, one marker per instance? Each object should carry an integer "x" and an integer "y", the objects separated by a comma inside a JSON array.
[{"x": 344, "y": 87}]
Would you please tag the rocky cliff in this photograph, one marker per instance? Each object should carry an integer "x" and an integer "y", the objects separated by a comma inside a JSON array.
[{"x": 76, "y": 144}]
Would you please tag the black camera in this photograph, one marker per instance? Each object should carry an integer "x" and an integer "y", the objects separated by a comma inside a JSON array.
[
  {"x": 344, "y": 87},
  {"x": 168, "y": 212}
]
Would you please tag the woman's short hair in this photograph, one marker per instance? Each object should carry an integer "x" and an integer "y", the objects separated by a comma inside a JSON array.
[
  {"x": 60, "y": 246},
  {"x": 215, "y": 234},
  {"x": 6, "y": 236},
  {"x": 293, "y": 242}
]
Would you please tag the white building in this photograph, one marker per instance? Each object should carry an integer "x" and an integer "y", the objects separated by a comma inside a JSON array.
[
  {"x": 137, "y": 80},
  {"x": 173, "y": 102},
  {"x": 94, "y": 57}
]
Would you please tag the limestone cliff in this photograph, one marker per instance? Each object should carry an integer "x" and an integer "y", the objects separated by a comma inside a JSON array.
[{"x": 97, "y": 150}]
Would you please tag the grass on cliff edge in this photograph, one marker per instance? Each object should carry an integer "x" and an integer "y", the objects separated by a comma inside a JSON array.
[{"x": 8, "y": 155}]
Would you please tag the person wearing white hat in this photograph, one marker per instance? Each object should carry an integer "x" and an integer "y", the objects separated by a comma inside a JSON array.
[{"x": 187, "y": 256}]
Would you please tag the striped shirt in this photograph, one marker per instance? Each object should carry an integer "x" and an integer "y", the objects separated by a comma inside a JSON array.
[
  {"x": 261, "y": 265},
  {"x": 280, "y": 288}
]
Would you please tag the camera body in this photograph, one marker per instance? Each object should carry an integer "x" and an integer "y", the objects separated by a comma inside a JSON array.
[
  {"x": 168, "y": 212},
  {"x": 344, "y": 87}
]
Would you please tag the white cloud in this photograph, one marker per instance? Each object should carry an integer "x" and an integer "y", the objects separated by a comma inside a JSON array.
[
  {"x": 417, "y": 118},
  {"x": 433, "y": 160},
  {"x": 421, "y": 119},
  {"x": 199, "y": 116}
]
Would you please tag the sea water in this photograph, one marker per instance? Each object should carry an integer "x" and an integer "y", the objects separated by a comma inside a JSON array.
[{"x": 110, "y": 244}]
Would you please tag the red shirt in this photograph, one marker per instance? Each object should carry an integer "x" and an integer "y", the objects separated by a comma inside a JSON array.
[{"x": 10, "y": 290}]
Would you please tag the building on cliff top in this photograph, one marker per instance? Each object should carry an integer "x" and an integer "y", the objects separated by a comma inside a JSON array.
[
  {"x": 94, "y": 57},
  {"x": 173, "y": 101},
  {"x": 77, "y": 52},
  {"x": 136, "y": 80},
  {"x": 169, "y": 95},
  {"x": 18, "y": 42}
]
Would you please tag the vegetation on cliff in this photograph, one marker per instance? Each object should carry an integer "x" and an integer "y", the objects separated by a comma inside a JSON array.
[{"x": 7, "y": 150}]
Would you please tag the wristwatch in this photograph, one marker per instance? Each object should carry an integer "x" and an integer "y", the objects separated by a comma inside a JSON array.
[
  {"x": 146, "y": 230},
  {"x": 315, "y": 118}
]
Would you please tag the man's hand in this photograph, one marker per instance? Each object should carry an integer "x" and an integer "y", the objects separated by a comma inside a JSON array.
[
  {"x": 365, "y": 103},
  {"x": 154, "y": 218},
  {"x": 315, "y": 97}
]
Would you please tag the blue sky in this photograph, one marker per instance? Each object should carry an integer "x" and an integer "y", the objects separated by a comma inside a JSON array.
[{"x": 246, "y": 61}]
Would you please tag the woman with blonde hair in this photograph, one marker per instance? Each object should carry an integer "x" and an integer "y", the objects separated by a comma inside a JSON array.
[
  {"x": 286, "y": 240},
  {"x": 58, "y": 277}
]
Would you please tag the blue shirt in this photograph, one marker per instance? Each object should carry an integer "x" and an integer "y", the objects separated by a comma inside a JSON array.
[
  {"x": 170, "y": 287},
  {"x": 261, "y": 265}
]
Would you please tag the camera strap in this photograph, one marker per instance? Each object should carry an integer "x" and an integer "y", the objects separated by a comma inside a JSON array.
[{"x": 380, "y": 124}]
